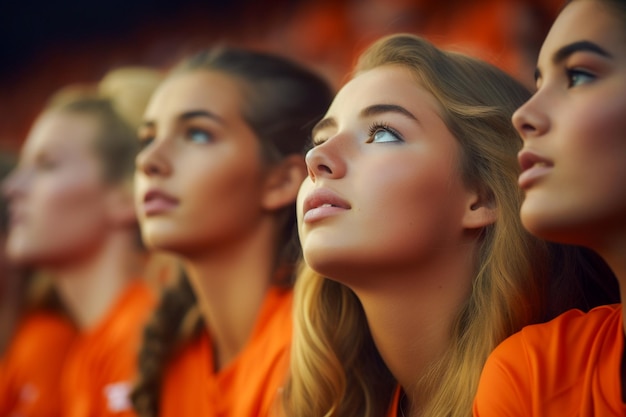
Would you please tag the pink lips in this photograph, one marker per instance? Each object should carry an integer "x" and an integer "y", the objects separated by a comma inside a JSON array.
[
  {"x": 322, "y": 203},
  {"x": 157, "y": 202},
  {"x": 533, "y": 168}
]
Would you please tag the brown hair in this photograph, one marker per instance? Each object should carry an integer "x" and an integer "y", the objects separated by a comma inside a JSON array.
[{"x": 282, "y": 102}]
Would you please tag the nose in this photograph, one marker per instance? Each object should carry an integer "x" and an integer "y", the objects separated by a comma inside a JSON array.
[
  {"x": 153, "y": 159},
  {"x": 531, "y": 119},
  {"x": 326, "y": 161},
  {"x": 14, "y": 183}
]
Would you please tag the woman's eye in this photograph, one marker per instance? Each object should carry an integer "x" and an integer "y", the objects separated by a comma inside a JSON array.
[
  {"x": 579, "y": 77},
  {"x": 199, "y": 136},
  {"x": 317, "y": 141},
  {"x": 383, "y": 134}
]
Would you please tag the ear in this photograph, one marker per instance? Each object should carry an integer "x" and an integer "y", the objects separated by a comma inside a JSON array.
[
  {"x": 480, "y": 210},
  {"x": 120, "y": 205},
  {"x": 283, "y": 182}
]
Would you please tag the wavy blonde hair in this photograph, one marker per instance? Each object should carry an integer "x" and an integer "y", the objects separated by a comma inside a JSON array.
[{"x": 335, "y": 368}]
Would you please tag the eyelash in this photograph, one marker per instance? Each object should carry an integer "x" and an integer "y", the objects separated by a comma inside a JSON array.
[
  {"x": 572, "y": 72},
  {"x": 378, "y": 126},
  {"x": 194, "y": 130}
]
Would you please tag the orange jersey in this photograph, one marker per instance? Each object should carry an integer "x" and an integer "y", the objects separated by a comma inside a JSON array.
[
  {"x": 395, "y": 404},
  {"x": 102, "y": 364},
  {"x": 569, "y": 366},
  {"x": 29, "y": 371},
  {"x": 246, "y": 387}
]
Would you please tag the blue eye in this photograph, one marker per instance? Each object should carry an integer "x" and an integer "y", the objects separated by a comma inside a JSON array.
[
  {"x": 199, "y": 136},
  {"x": 381, "y": 133},
  {"x": 577, "y": 77}
]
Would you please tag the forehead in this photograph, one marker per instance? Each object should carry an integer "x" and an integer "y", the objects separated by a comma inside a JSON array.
[
  {"x": 390, "y": 84},
  {"x": 197, "y": 89},
  {"x": 61, "y": 131},
  {"x": 585, "y": 20}
]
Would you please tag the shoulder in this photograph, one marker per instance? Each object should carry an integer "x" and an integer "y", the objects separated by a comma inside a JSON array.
[
  {"x": 42, "y": 332},
  {"x": 545, "y": 360},
  {"x": 573, "y": 329}
]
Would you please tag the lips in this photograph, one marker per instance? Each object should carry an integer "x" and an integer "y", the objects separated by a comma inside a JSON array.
[
  {"x": 323, "y": 203},
  {"x": 534, "y": 167},
  {"x": 157, "y": 202}
]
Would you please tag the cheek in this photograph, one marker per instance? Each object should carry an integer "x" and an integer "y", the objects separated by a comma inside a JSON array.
[
  {"x": 224, "y": 200},
  {"x": 64, "y": 220},
  {"x": 599, "y": 122},
  {"x": 412, "y": 206}
]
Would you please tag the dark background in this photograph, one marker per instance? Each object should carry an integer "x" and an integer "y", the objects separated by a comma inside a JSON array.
[{"x": 47, "y": 45}]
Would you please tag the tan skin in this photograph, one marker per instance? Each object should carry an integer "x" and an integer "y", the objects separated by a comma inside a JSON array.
[
  {"x": 204, "y": 193},
  {"x": 385, "y": 211},
  {"x": 58, "y": 190},
  {"x": 574, "y": 144}
]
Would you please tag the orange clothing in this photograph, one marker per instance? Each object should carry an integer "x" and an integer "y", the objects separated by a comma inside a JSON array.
[
  {"x": 569, "y": 366},
  {"x": 30, "y": 369},
  {"x": 102, "y": 364},
  {"x": 246, "y": 387},
  {"x": 395, "y": 404}
]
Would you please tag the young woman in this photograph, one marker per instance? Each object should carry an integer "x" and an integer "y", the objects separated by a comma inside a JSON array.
[
  {"x": 216, "y": 183},
  {"x": 574, "y": 179},
  {"x": 72, "y": 216},
  {"x": 33, "y": 323},
  {"x": 410, "y": 211}
]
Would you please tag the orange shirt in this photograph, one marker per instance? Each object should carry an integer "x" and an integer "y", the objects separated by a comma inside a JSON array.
[
  {"x": 395, "y": 404},
  {"x": 30, "y": 369},
  {"x": 569, "y": 366},
  {"x": 102, "y": 364},
  {"x": 246, "y": 387}
]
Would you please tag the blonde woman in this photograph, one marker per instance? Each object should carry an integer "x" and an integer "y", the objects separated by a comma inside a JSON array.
[
  {"x": 419, "y": 264},
  {"x": 72, "y": 217}
]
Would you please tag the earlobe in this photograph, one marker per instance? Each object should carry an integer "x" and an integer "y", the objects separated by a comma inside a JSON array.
[
  {"x": 283, "y": 182},
  {"x": 481, "y": 211}
]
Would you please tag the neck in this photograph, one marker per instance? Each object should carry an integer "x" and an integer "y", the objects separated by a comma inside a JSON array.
[
  {"x": 89, "y": 286},
  {"x": 410, "y": 314},
  {"x": 612, "y": 250},
  {"x": 231, "y": 282}
]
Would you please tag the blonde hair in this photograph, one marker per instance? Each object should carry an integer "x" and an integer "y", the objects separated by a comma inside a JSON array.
[{"x": 335, "y": 369}]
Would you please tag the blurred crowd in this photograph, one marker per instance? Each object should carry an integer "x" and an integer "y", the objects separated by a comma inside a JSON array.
[{"x": 325, "y": 34}]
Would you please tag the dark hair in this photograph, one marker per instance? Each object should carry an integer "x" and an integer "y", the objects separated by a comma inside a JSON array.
[{"x": 282, "y": 102}]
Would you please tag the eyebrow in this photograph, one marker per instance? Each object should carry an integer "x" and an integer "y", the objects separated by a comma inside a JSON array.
[
  {"x": 566, "y": 51},
  {"x": 581, "y": 46},
  {"x": 377, "y": 109},
  {"x": 369, "y": 111},
  {"x": 191, "y": 114}
]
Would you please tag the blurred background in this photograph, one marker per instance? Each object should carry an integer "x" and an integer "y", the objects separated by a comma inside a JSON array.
[{"x": 45, "y": 45}]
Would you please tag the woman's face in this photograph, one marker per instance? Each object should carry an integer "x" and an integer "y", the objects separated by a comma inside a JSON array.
[
  {"x": 574, "y": 130},
  {"x": 384, "y": 188},
  {"x": 56, "y": 194},
  {"x": 199, "y": 178}
]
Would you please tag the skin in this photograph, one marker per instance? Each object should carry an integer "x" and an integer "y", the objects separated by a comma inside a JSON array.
[
  {"x": 59, "y": 172},
  {"x": 402, "y": 234},
  {"x": 575, "y": 122},
  {"x": 216, "y": 200},
  {"x": 56, "y": 191}
]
